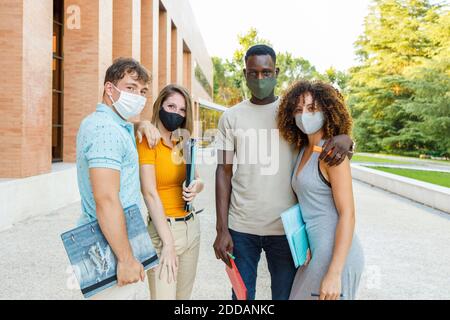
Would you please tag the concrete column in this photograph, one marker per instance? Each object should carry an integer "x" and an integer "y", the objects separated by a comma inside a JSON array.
[
  {"x": 150, "y": 49},
  {"x": 165, "y": 31},
  {"x": 88, "y": 53},
  {"x": 176, "y": 56},
  {"x": 127, "y": 29},
  {"x": 26, "y": 100}
]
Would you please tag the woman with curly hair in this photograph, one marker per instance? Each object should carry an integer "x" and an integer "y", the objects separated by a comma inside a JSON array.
[{"x": 310, "y": 113}]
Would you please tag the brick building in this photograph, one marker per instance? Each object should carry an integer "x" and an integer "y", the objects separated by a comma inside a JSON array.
[{"x": 54, "y": 54}]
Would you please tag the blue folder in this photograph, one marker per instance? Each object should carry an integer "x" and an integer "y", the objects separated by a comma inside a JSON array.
[
  {"x": 295, "y": 230},
  {"x": 92, "y": 259}
]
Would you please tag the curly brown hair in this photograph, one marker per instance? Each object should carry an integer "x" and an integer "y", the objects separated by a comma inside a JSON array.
[{"x": 337, "y": 118}]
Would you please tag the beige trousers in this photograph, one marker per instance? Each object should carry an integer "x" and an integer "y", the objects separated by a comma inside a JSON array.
[{"x": 187, "y": 244}]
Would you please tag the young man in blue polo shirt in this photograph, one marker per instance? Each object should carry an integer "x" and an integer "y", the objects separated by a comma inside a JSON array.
[{"x": 108, "y": 170}]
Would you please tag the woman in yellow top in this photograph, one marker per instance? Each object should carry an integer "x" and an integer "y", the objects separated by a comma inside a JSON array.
[{"x": 163, "y": 175}]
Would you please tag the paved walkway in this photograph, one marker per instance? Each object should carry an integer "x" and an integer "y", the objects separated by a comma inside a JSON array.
[
  {"x": 406, "y": 247},
  {"x": 405, "y": 166},
  {"x": 409, "y": 163}
]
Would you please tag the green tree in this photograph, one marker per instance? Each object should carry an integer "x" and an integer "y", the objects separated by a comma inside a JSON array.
[
  {"x": 225, "y": 91},
  {"x": 397, "y": 50},
  {"x": 293, "y": 69},
  {"x": 338, "y": 78},
  {"x": 430, "y": 83}
]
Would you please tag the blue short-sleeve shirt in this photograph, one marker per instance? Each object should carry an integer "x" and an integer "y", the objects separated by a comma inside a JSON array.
[{"x": 105, "y": 140}]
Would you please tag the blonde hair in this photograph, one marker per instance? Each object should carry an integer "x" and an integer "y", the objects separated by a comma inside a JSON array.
[{"x": 167, "y": 92}]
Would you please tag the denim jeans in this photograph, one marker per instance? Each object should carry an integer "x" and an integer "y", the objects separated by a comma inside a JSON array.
[{"x": 247, "y": 250}]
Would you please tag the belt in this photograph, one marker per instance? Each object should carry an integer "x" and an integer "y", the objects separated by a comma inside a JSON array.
[{"x": 183, "y": 219}]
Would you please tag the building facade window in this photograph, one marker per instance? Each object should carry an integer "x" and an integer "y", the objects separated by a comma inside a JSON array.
[
  {"x": 58, "y": 78},
  {"x": 187, "y": 67},
  {"x": 201, "y": 78}
]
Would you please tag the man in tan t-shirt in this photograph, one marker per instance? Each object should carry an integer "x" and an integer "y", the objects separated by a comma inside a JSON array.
[{"x": 250, "y": 200}]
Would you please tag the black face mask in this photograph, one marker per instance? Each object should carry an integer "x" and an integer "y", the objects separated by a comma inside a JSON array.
[{"x": 170, "y": 120}]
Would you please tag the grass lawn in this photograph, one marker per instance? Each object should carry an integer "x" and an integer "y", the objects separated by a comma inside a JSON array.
[
  {"x": 438, "y": 178},
  {"x": 364, "y": 158}
]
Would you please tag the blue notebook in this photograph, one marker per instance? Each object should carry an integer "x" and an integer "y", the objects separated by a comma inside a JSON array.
[
  {"x": 91, "y": 257},
  {"x": 191, "y": 156},
  {"x": 295, "y": 230}
]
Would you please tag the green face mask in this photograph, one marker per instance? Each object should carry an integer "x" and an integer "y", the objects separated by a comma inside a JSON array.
[{"x": 261, "y": 89}]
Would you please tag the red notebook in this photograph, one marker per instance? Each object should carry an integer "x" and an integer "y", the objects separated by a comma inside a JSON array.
[{"x": 236, "y": 281}]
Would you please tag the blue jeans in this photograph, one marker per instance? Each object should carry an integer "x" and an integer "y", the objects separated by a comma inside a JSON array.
[{"x": 247, "y": 250}]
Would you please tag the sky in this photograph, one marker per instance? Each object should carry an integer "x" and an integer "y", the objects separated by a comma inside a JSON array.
[{"x": 321, "y": 31}]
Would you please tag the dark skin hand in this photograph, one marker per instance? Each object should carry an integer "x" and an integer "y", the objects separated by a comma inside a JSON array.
[
  {"x": 223, "y": 243},
  {"x": 339, "y": 145}
]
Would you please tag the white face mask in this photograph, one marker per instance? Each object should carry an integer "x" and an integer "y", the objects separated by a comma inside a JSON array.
[
  {"x": 310, "y": 122},
  {"x": 128, "y": 105}
]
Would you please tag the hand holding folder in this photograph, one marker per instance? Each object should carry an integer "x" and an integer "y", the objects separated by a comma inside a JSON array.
[
  {"x": 295, "y": 230},
  {"x": 239, "y": 288}
]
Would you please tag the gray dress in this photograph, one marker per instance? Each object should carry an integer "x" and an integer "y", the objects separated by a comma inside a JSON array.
[{"x": 321, "y": 217}]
